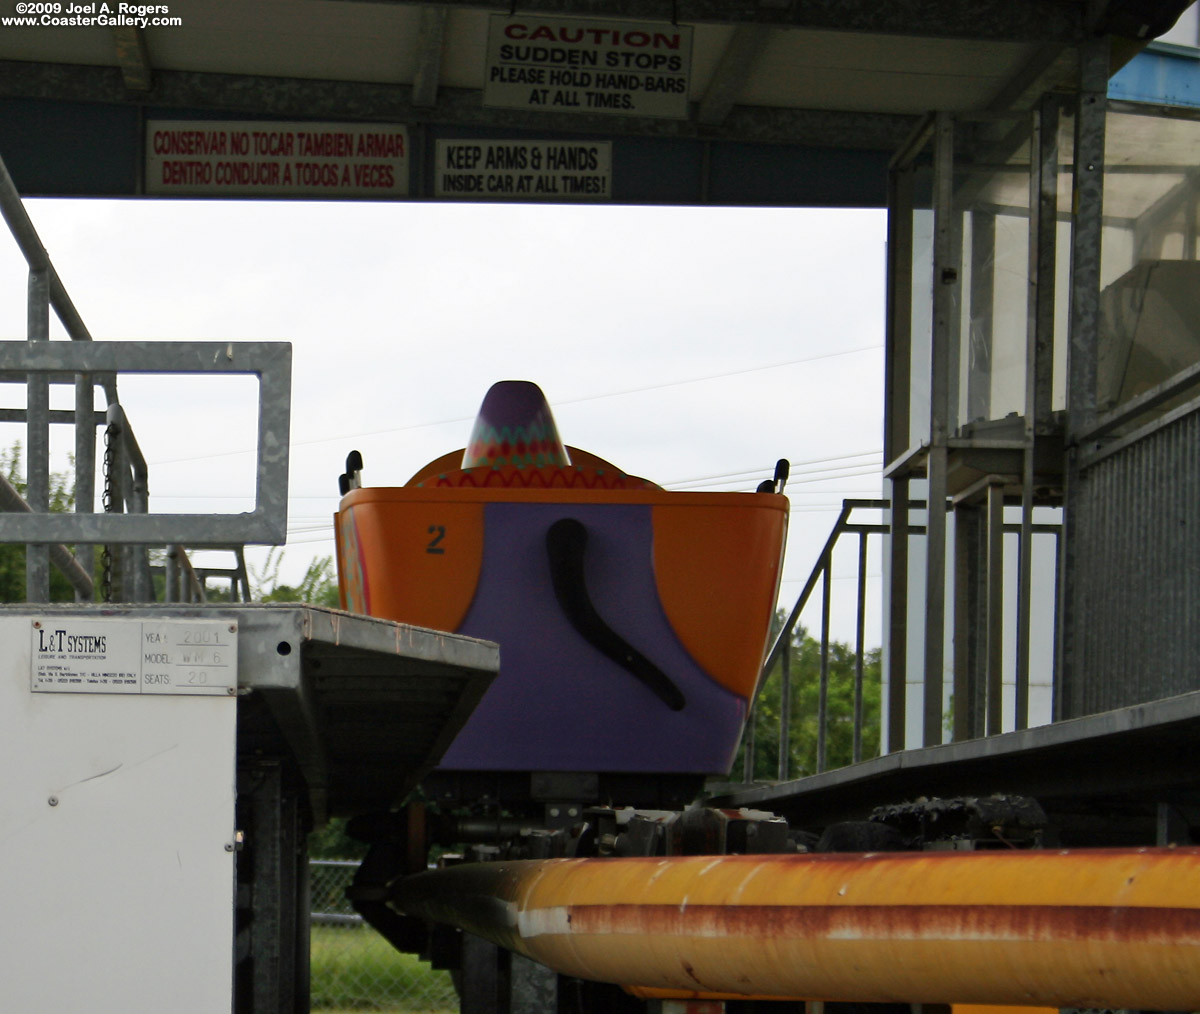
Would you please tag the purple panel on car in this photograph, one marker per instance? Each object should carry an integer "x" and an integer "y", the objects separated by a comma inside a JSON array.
[{"x": 558, "y": 703}]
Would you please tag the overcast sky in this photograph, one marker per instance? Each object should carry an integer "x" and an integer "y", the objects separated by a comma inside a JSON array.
[{"x": 691, "y": 346}]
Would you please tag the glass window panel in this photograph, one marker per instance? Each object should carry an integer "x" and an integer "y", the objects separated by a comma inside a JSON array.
[
  {"x": 921, "y": 321},
  {"x": 991, "y": 213},
  {"x": 1150, "y": 275}
]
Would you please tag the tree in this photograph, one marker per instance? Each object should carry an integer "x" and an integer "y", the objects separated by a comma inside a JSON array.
[
  {"x": 805, "y": 671},
  {"x": 319, "y": 586},
  {"x": 12, "y": 554},
  {"x": 332, "y": 842}
]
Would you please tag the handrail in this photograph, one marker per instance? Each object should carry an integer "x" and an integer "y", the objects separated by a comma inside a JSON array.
[
  {"x": 238, "y": 575},
  {"x": 780, "y": 649},
  {"x": 127, "y": 528},
  {"x": 12, "y": 208},
  {"x": 821, "y": 574},
  {"x": 130, "y": 485},
  {"x": 180, "y": 573},
  {"x": 810, "y": 585},
  {"x": 60, "y": 555}
]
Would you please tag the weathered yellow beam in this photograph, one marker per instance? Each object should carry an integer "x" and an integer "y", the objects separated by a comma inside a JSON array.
[{"x": 1090, "y": 928}]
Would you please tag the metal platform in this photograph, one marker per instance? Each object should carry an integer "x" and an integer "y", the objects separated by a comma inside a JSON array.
[
  {"x": 1138, "y": 762},
  {"x": 124, "y": 731},
  {"x": 364, "y": 706}
]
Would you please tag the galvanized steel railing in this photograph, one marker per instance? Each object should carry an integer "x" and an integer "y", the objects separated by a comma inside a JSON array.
[
  {"x": 821, "y": 576},
  {"x": 822, "y": 573},
  {"x": 127, "y": 527}
]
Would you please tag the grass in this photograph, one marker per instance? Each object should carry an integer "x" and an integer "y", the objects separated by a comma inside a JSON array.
[{"x": 354, "y": 970}]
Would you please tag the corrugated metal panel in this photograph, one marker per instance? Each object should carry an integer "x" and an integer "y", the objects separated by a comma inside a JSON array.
[{"x": 1137, "y": 586}]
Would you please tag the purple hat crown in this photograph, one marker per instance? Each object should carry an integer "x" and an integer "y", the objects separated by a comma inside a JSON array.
[{"x": 514, "y": 427}]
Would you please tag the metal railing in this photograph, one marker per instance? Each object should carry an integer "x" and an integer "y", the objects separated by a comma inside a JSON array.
[
  {"x": 127, "y": 527},
  {"x": 187, "y": 583},
  {"x": 780, "y": 653},
  {"x": 779, "y": 658},
  {"x": 61, "y": 556}
]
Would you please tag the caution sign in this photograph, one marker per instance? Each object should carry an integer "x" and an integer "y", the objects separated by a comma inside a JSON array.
[
  {"x": 571, "y": 65},
  {"x": 255, "y": 159},
  {"x": 524, "y": 170}
]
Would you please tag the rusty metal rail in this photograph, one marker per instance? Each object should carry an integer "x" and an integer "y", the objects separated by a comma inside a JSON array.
[{"x": 1085, "y": 929}]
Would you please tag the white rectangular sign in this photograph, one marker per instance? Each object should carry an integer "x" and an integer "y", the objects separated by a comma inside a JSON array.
[
  {"x": 572, "y": 65},
  {"x": 267, "y": 159},
  {"x": 72, "y": 654},
  {"x": 524, "y": 170}
]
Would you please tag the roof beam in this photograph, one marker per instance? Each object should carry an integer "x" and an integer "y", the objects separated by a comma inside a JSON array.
[
  {"x": 1050, "y": 67},
  {"x": 133, "y": 58},
  {"x": 730, "y": 77},
  {"x": 1135, "y": 19},
  {"x": 430, "y": 36},
  {"x": 264, "y": 98},
  {"x": 995, "y": 20},
  {"x": 1134, "y": 22}
]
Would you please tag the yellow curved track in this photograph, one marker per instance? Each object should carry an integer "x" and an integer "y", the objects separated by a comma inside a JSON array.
[{"x": 1088, "y": 928}]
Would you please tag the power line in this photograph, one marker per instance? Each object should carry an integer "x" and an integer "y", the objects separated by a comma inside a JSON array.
[
  {"x": 822, "y": 475},
  {"x": 557, "y": 403},
  {"x": 722, "y": 376},
  {"x": 769, "y": 469}
]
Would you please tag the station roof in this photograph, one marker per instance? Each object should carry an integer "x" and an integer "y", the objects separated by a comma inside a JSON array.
[{"x": 788, "y": 101}]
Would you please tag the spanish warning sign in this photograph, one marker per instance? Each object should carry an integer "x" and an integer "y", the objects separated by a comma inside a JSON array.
[
  {"x": 571, "y": 65},
  {"x": 268, "y": 159},
  {"x": 524, "y": 170}
]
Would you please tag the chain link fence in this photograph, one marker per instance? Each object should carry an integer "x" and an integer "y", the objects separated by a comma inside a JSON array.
[{"x": 353, "y": 968}]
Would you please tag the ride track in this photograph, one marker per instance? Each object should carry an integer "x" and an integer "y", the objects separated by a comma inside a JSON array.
[{"x": 1061, "y": 928}]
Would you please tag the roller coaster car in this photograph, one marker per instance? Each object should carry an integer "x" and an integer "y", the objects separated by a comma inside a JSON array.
[{"x": 632, "y": 621}]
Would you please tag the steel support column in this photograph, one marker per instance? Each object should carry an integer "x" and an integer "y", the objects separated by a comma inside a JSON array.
[
  {"x": 969, "y": 622},
  {"x": 533, "y": 987},
  {"x": 482, "y": 991},
  {"x": 748, "y": 744},
  {"x": 273, "y": 872},
  {"x": 823, "y": 687},
  {"x": 85, "y": 468},
  {"x": 897, "y": 643},
  {"x": 1084, "y": 336},
  {"x": 785, "y": 712},
  {"x": 995, "y": 609},
  {"x": 1039, "y": 362},
  {"x": 897, "y": 378},
  {"x": 859, "y": 641},
  {"x": 37, "y": 429},
  {"x": 945, "y": 288}
]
